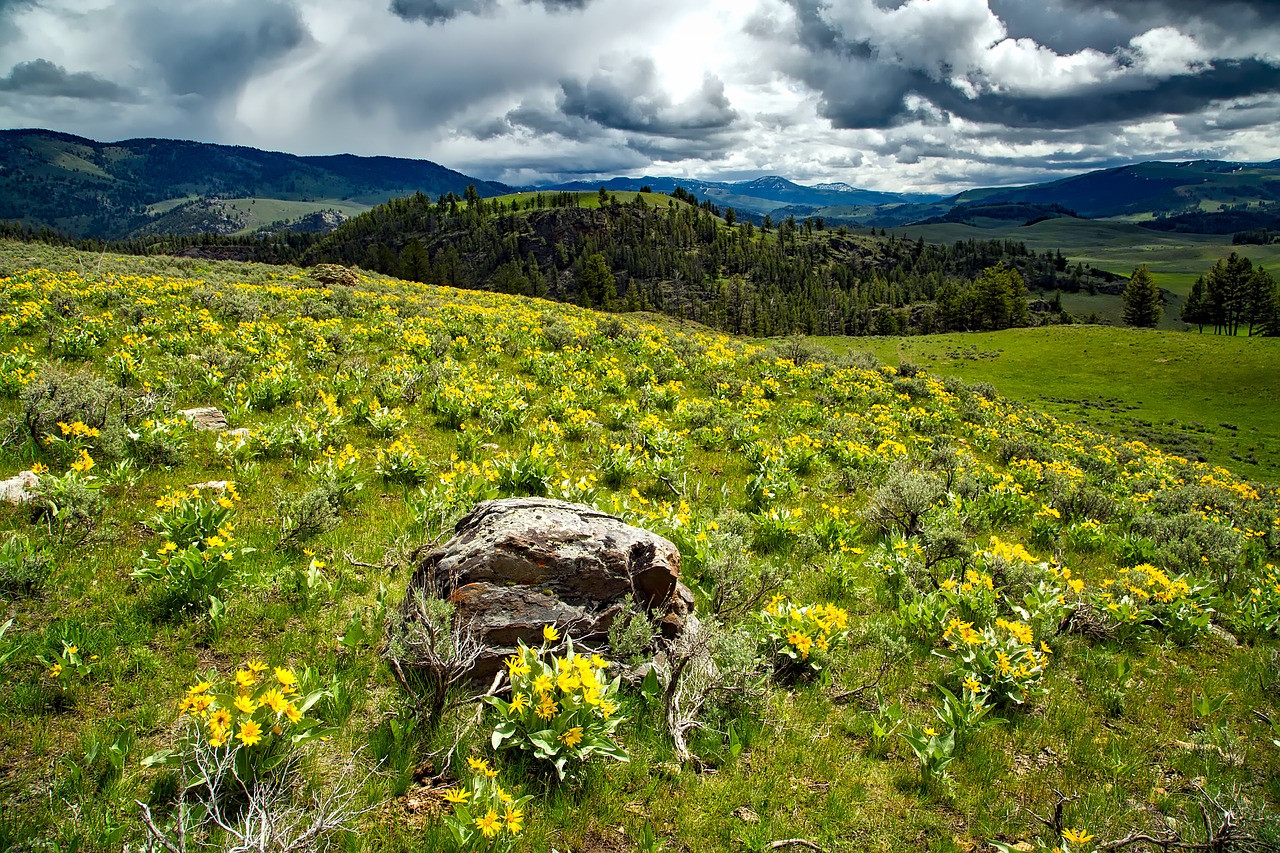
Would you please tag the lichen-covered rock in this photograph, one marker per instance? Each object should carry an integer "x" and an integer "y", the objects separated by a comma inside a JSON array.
[{"x": 517, "y": 564}]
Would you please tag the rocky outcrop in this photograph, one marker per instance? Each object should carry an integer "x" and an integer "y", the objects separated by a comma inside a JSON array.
[{"x": 518, "y": 564}]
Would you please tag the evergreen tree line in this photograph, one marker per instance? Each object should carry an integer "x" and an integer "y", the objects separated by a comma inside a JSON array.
[
  {"x": 1235, "y": 296},
  {"x": 685, "y": 261}
]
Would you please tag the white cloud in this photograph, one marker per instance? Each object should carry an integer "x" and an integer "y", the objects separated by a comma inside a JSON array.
[{"x": 908, "y": 95}]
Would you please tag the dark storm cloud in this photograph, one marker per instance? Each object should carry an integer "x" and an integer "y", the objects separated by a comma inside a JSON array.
[
  {"x": 631, "y": 99},
  {"x": 42, "y": 78},
  {"x": 1061, "y": 28},
  {"x": 8, "y": 30},
  {"x": 214, "y": 49},
  {"x": 441, "y": 11},
  {"x": 1226, "y": 80},
  {"x": 546, "y": 119},
  {"x": 559, "y": 5},
  {"x": 1233, "y": 12}
]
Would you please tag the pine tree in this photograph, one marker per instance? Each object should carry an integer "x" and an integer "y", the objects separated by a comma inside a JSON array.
[
  {"x": 1143, "y": 303},
  {"x": 1195, "y": 310}
]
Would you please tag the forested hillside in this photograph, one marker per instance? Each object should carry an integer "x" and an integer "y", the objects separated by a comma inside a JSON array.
[{"x": 666, "y": 255}]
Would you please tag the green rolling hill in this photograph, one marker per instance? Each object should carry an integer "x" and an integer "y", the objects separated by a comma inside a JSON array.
[{"x": 112, "y": 190}]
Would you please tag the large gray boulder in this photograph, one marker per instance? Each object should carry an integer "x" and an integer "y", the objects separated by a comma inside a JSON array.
[{"x": 517, "y": 564}]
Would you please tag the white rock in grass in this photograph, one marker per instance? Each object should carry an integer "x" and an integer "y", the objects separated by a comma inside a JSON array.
[{"x": 17, "y": 490}]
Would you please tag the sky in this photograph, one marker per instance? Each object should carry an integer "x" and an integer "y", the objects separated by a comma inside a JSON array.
[{"x": 894, "y": 95}]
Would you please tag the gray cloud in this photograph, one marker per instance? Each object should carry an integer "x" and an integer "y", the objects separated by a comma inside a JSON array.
[
  {"x": 439, "y": 11},
  {"x": 631, "y": 99},
  {"x": 442, "y": 11},
  {"x": 1235, "y": 11},
  {"x": 860, "y": 84},
  {"x": 890, "y": 94},
  {"x": 42, "y": 78},
  {"x": 1224, "y": 81},
  {"x": 214, "y": 49}
]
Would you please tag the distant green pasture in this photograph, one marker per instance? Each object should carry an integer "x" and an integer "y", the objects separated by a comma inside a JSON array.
[
  {"x": 1176, "y": 259},
  {"x": 1199, "y": 395}
]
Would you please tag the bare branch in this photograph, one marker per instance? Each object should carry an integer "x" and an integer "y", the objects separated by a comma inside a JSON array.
[{"x": 794, "y": 842}]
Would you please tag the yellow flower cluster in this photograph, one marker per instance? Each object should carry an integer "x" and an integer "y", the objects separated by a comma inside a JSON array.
[
  {"x": 803, "y": 632},
  {"x": 251, "y": 707}
]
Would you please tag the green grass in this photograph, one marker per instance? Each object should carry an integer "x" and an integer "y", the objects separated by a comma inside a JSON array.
[
  {"x": 1204, "y": 395},
  {"x": 264, "y": 211},
  {"x": 739, "y": 430},
  {"x": 1175, "y": 259},
  {"x": 592, "y": 199}
]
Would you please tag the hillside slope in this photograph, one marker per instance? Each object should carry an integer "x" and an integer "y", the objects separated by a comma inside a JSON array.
[
  {"x": 1002, "y": 606},
  {"x": 669, "y": 256},
  {"x": 96, "y": 189}
]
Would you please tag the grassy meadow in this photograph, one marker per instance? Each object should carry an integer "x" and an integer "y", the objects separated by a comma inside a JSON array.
[
  {"x": 929, "y": 607},
  {"x": 1175, "y": 259},
  {"x": 1200, "y": 395}
]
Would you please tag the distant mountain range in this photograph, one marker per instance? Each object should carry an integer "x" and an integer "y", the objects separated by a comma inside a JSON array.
[
  {"x": 136, "y": 187},
  {"x": 119, "y": 189},
  {"x": 1145, "y": 193}
]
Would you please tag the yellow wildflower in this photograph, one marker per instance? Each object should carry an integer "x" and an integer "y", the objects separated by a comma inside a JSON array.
[
  {"x": 250, "y": 733},
  {"x": 488, "y": 825}
]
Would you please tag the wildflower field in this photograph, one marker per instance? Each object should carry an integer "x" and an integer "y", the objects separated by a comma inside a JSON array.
[{"x": 933, "y": 619}]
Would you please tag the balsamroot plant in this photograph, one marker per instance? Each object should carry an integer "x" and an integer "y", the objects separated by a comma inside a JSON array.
[
  {"x": 254, "y": 721},
  {"x": 563, "y": 708},
  {"x": 800, "y": 639},
  {"x": 199, "y": 552},
  {"x": 485, "y": 817}
]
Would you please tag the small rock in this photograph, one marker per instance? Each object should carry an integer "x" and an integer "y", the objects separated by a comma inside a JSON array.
[
  {"x": 17, "y": 489},
  {"x": 212, "y": 485},
  {"x": 1224, "y": 635},
  {"x": 207, "y": 418}
]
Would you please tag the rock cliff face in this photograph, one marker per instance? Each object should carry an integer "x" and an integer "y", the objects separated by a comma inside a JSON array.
[{"x": 518, "y": 564}]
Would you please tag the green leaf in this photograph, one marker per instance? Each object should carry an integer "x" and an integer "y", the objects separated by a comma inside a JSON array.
[
  {"x": 163, "y": 758},
  {"x": 545, "y": 741},
  {"x": 503, "y": 731}
]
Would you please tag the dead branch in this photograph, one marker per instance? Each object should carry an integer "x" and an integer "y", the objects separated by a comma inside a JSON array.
[
  {"x": 794, "y": 842},
  {"x": 430, "y": 652},
  {"x": 695, "y": 680},
  {"x": 1056, "y": 824},
  {"x": 257, "y": 815},
  {"x": 857, "y": 693}
]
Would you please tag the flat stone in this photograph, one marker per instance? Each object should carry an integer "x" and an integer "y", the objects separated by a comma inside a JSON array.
[{"x": 207, "y": 418}]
